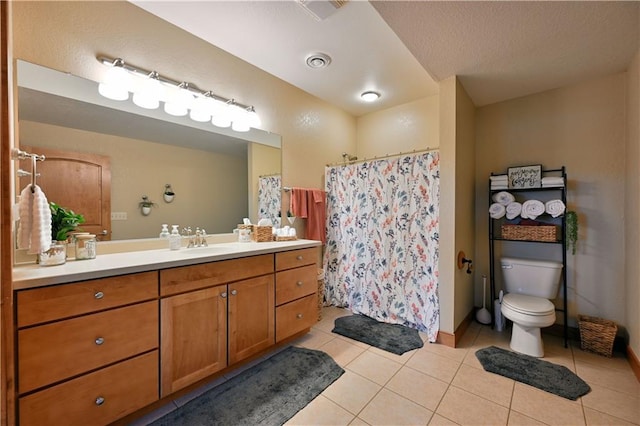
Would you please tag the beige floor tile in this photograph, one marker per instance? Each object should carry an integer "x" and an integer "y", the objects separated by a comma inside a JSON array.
[
  {"x": 617, "y": 361},
  {"x": 418, "y": 387},
  {"x": 321, "y": 411},
  {"x": 457, "y": 354},
  {"x": 358, "y": 422},
  {"x": 596, "y": 418},
  {"x": 341, "y": 351},
  {"x": 438, "y": 420},
  {"x": 314, "y": 339},
  {"x": 546, "y": 407},
  {"x": 374, "y": 367},
  {"x": 440, "y": 367},
  {"x": 466, "y": 408},
  {"x": 612, "y": 378},
  {"x": 617, "y": 404},
  {"x": 517, "y": 419},
  {"x": 388, "y": 408},
  {"x": 487, "y": 385},
  {"x": 352, "y": 391},
  {"x": 401, "y": 359}
]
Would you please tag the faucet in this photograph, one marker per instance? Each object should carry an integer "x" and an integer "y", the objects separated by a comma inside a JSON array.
[{"x": 197, "y": 239}]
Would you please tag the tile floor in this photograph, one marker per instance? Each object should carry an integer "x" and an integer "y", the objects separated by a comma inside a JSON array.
[{"x": 439, "y": 385}]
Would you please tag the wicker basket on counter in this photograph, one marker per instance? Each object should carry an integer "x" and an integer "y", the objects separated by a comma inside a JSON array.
[
  {"x": 281, "y": 238},
  {"x": 597, "y": 334},
  {"x": 544, "y": 233},
  {"x": 261, "y": 234}
]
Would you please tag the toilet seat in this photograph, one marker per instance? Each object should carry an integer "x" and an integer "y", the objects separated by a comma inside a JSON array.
[{"x": 528, "y": 305}]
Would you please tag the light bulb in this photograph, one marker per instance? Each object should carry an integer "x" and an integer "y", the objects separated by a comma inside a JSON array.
[
  {"x": 149, "y": 92},
  {"x": 370, "y": 96},
  {"x": 221, "y": 115},
  {"x": 116, "y": 83},
  {"x": 179, "y": 100},
  {"x": 239, "y": 119},
  {"x": 254, "y": 118},
  {"x": 201, "y": 109}
]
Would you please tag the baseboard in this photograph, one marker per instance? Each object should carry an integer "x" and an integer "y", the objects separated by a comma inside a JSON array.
[
  {"x": 634, "y": 362},
  {"x": 451, "y": 340}
]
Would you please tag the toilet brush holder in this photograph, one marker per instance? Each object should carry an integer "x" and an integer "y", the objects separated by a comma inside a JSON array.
[{"x": 483, "y": 316}]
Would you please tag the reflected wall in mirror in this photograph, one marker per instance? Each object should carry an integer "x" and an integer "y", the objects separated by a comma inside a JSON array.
[{"x": 214, "y": 172}]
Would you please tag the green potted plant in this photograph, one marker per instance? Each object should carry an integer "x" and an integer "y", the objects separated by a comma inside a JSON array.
[
  {"x": 63, "y": 221},
  {"x": 571, "y": 220},
  {"x": 145, "y": 205}
]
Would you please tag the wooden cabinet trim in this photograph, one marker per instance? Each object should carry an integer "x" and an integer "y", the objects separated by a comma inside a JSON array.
[
  {"x": 296, "y": 258},
  {"x": 296, "y": 316},
  {"x": 295, "y": 283}
]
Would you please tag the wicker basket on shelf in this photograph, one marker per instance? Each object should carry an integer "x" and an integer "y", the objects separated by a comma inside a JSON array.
[
  {"x": 545, "y": 233},
  {"x": 597, "y": 334},
  {"x": 261, "y": 234}
]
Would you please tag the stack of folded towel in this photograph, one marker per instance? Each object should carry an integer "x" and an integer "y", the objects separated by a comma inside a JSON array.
[
  {"x": 499, "y": 181},
  {"x": 552, "y": 182}
]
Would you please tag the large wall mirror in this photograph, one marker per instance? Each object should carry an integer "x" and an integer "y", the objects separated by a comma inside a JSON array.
[{"x": 213, "y": 172}]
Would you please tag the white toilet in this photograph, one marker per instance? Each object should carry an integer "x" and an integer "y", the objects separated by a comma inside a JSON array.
[{"x": 529, "y": 285}]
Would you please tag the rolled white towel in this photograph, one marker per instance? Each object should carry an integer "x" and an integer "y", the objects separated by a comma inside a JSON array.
[
  {"x": 504, "y": 198},
  {"x": 554, "y": 207},
  {"x": 513, "y": 210},
  {"x": 531, "y": 209},
  {"x": 496, "y": 210}
]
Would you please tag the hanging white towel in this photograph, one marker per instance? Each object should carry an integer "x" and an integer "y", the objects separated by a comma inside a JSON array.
[
  {"x": 554, "y": 207},
  {"x": 531, "y": 209},
  {"x": 513, "y": 210},
  {"x": 496, "y": 210},
  {"x": 503, "y": 198},
  {"x": 34, "y": 231}
]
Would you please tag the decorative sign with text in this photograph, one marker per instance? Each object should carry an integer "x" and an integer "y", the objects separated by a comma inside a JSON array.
[{"x": 525, "y": 177}]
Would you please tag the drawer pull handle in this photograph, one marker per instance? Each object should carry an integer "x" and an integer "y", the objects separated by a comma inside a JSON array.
[
  {"x": 234, "y": 292},
  {"x": 299, "y": 283},
  {"x": 299, "y": 316},
  {"x": 98, "y": 295},
  {"x": 223, "y": 294},
  {"x": 299, "y": 257},
  {"x": 99, "y": 400},
  {"x": 99, "y": 341}
]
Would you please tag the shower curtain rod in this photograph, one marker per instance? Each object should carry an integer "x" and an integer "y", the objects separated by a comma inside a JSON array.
[{"x": 415, "y": 151}]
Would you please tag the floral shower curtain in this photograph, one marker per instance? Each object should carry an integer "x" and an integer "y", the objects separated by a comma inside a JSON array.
[
  {"x": 269, "y": 196},
  {"x": 381, "y": 256}
]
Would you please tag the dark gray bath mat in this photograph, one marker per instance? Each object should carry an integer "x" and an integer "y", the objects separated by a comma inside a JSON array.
[
  {"x": 269, "y": 393},
  {"x": 544, "y": 375},
  {"x": 394, "y": 338}
]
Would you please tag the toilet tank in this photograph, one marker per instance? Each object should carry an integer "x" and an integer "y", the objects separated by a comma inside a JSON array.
[{"x": 531, "y": 277}]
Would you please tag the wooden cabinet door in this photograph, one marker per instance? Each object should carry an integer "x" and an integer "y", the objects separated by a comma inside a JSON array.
[
  {"x": 251, "y": 317},
  {"x": 194, "y": 337}
]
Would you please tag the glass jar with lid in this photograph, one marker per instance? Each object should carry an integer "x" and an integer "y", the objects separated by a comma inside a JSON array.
[{"x": 85, "y": 246}]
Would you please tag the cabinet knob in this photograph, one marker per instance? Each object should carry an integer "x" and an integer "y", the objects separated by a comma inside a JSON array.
[
  {"x": 234, "y": 292},
  {"x": 299, "y": 257},
  {"x": 99, "y": 400},
  {"x": 99, "y": 341},
  {"x": 299, "y": 316},
  {"x": 98, "y": 295},
  {"x": 299, "y": 283},
  {"x": 223, "y": 294}
]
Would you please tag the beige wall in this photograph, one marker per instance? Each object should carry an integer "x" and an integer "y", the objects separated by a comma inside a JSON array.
[
  {"x": 583, "y": 128},
  {"x": 200, "y": 179},
  {"x": 402, "y": 128},
  {"x": 67, "y": 36},
  {"x": 632, "y": 207}
]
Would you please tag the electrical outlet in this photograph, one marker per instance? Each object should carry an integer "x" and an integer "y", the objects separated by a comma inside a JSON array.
[{"x": 118, "y": 215}]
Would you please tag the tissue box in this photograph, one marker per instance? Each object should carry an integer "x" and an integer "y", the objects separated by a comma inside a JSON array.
[{"x": 261, "y": 234}]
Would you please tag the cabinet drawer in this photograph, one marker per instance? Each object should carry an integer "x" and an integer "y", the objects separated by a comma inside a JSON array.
[
  {"x": 296, "y": 258},
  {"x": 296, "y": 316},
  {"x": 295, "y": 283},
  {"x": 98, "y": 398},
  {"x": 40, "y": 305},
  {"x": 187, "y": 278},
  {"x": 57, "y": 351}
]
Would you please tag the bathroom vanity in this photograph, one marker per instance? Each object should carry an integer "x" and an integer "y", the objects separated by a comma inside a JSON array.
[{"x": 98, "y": 340}]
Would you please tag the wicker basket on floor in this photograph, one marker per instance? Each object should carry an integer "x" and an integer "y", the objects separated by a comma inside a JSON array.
[{"x": 597, "y": 334}]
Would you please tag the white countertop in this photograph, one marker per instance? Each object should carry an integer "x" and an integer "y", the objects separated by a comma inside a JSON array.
[{"x": 106, "y": 265}]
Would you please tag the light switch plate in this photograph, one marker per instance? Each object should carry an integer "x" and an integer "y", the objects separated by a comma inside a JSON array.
[{"x": 118, "y": 215}]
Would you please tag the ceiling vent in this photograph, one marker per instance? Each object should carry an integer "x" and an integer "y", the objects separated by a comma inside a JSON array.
[{"x": 321, "y": 9}]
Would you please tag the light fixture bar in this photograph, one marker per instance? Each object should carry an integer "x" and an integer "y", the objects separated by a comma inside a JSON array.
[{"x": 188, "y": 86}]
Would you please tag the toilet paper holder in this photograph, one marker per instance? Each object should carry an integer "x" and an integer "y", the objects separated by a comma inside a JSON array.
[{"x": 462, "y": 260}]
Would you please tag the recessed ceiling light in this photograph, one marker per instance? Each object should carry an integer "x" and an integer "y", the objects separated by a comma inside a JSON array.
[
  {"x": 318, "y": 60},
  {"x": 370, "y": 96}
]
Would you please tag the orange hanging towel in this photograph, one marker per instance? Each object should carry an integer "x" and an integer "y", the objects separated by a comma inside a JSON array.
[
  {"x": 299, "y": 202},
  {"x": 316, "y": 209}
]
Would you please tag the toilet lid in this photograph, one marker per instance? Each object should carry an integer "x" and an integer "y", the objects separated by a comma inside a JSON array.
[{"x": 530, "y": 305}]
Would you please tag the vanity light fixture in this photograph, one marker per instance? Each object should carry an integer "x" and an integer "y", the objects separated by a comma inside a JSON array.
[
  {"x": 180, "y": 98},
  {"x": 370, "y": 96}
]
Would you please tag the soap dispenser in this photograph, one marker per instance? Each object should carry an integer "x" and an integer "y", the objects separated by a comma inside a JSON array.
[
  {"x": 175, "y": 239},
  {"x": 164, "y": 233}
]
